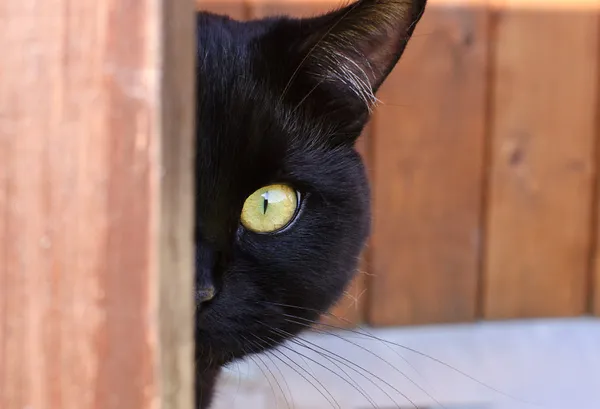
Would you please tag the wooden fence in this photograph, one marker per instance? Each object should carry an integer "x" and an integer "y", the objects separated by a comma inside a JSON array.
[
  {"x": 96, "y": 206},
  {"x": 483, "y": 159}
]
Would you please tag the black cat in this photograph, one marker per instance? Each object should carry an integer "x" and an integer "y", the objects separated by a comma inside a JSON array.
[{"x": 283, "y": 200}]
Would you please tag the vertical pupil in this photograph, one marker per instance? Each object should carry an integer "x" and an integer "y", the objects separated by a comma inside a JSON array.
[{"x": 265, "y": 202}]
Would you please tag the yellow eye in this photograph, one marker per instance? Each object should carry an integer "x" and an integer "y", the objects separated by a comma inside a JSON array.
[{"x": 270, "y": 208}]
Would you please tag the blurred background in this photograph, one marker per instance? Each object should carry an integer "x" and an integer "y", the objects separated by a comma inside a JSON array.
[{"x": 483, "y": 265}]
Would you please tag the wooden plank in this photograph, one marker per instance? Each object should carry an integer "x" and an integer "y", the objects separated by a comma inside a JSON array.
[
  {"x": 296, "y": 8},
  {"x": 349, "y": 311},
  {"x": 428, "y": 146},
  {"x": 540, "y": 191},
  {"x": 236, "y": 9},
  {"x": 96, "y": 209}
]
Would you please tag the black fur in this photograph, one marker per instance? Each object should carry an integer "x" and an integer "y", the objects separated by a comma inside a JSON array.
[{"x": 251, "y": 134}]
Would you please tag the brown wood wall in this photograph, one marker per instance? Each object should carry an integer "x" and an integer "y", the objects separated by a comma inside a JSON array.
[
  {"x": 483, "y": 159},
  {"x": 96, "y": 204}
]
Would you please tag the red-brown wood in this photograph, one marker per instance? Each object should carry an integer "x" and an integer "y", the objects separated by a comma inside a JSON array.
[
  {"x": 427, "y": 163},
  {"x": 237, "y": 9},
  {"x": 96, "y": 117},
  {"x": 542, "y": 158}
]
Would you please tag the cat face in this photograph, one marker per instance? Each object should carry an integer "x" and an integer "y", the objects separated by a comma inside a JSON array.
[{"x": 282, "y": 209}]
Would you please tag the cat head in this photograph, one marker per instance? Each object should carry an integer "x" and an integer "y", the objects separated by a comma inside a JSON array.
[{"x": 282, "y": 198}]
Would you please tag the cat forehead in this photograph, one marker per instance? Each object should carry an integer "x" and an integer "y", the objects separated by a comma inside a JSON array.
[
  {"x": 247, "y": 133},
  {"x": 239, "y": 114},
  {"x": 240, "y": 92}
]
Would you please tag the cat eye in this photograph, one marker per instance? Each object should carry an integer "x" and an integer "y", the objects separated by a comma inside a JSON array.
[{"x": 270, "y": 208}]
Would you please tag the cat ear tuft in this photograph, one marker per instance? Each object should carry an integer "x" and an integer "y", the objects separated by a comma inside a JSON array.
[{"x": 359, "y": 44}]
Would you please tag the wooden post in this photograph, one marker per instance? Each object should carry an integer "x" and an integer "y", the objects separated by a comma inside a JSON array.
[{"x": 96, "y": 249}]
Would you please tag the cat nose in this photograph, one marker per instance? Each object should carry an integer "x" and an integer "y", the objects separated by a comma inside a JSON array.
[
  {"x": 205, "y": 283},
  {"x": 204, "y": 295}
]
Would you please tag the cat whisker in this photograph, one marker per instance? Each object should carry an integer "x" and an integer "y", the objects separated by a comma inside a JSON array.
[
  {"x": 267, "y": 378},
  {"x": 377, "y": 356},
  {"x": 276, "y": 380},
  {"x": 308, "y": 94},
  {"x": 357, "y": 345},
  {"x": 422, "y": 389},
  {"x": 287, "y": 385},
  {"x": 239, "y": 382},
  {"x": 310, "y": 324},
  {"x": 354, "y": 300},
  {"x": 354, "y": 383},
  {"x": 239, "y": 378},
  {"x": 327, "y": 395},
  {"x": 351, "y": 364},
  {"x": 314, "y": 325},
  {"x": 257, "y": 356},
  {"x": 332, "y": 400},
  {"x": 408, "y": 378}
]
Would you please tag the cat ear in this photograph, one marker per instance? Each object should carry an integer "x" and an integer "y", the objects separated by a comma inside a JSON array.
[{"x": 358, "y": 46}]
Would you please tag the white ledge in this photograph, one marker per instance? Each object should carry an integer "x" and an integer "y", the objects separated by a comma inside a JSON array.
[{"x": 542, "y": 364}]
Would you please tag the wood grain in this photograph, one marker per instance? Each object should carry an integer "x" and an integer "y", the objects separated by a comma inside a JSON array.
[
  {"x": 594, "y": 273},
  {"x": 237, "y": 9},
  {"x": 96, "y": 129},
  {"x": 540, "y": 192},
  {"x": 296, "y": 8},
  {"x": 428, "y": 144}
]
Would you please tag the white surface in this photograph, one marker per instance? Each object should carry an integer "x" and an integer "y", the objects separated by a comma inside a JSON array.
[{"x": 549, "y": 364}]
